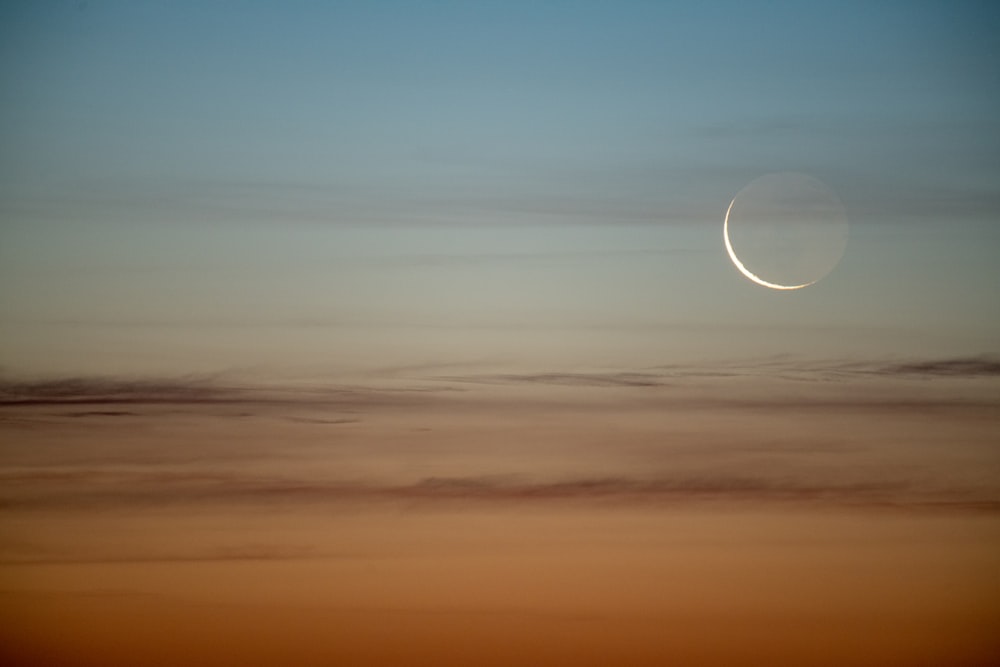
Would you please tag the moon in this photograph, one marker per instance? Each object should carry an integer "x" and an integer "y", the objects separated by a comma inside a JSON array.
[{"x": 785, "y": 231}]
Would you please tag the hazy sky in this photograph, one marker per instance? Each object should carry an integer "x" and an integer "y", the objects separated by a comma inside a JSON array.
[
  {"x": 193, "y": 186},
  {"x": 382, "y": 333}
]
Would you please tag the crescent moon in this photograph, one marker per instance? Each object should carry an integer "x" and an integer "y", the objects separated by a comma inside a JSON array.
[{"x": 744, "y": 270}]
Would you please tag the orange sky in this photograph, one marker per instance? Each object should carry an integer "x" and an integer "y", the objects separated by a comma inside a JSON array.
[
  {"x": 561, "y": 519},
  {"x": 407, "y": 333}
]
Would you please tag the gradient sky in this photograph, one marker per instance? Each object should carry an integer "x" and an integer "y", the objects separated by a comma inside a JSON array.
[
  {"x": 381, "y": 333},
  {"x": 302, "y": 186}
]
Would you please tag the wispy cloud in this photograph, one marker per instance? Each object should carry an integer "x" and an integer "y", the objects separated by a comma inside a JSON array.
[
  {"x": 423, "y": 382},
  {"x": 190, "y": 390},
  {"x": 777, "y": 369},
  {"x": 773, "y": 434},
  {"x": 94, "y": 489},
  {"x": 608, "y": 379},
  {"x": 962, "y": 367},
  {"x": 113, "y": 390}
]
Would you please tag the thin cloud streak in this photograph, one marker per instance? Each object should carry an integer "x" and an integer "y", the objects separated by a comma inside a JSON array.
[
  {"x": 426, "y": 385},
  {"x": 97, "y": 490},
  {"x": 964, "y": 367}
]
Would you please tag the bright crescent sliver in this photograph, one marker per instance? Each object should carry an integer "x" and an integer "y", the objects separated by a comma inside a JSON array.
[{"x": 744, "y": 270}]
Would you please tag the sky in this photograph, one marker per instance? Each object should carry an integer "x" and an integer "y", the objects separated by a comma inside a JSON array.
[
  {"x": 406, "y": 333},
  {"x": 330, "y": 187},
  {"x": 806, "y": 517}
]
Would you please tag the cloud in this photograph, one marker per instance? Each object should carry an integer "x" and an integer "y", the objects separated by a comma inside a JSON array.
[
  {"x": 191, "y": 391},
  {"x": 780, "y": 368},
  {"x": 771, "y": 434},
  {"x": 611, "y": 379},
  {"x": 97, "y": 489},
  {"x": 111, "y": 390},
  {"x": 425, "y": 387},
  {"x": 960, "y": 367}
]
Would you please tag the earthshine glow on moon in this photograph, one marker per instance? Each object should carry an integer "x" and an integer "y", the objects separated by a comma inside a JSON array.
[
  {"x": 785, "y": 231},
  {"x": 744, "y": 270}
]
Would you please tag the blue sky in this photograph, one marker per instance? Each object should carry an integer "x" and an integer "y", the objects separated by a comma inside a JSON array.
[{"x": 479, "y": 167}]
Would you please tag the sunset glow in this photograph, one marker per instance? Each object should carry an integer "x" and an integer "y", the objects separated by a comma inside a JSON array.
[{"x": 401, "y": 334}]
